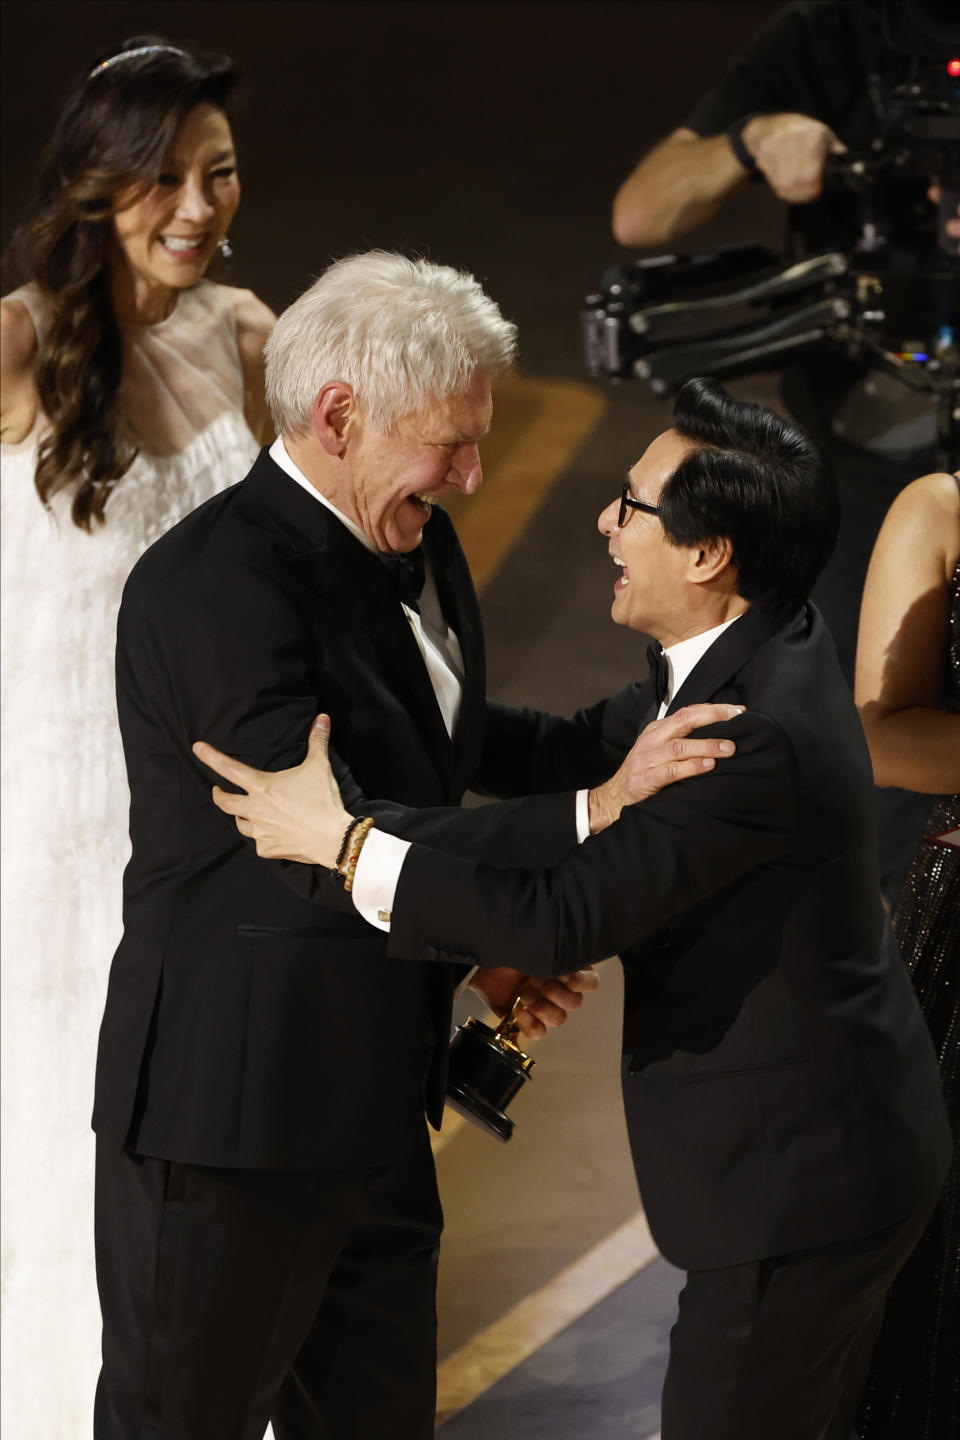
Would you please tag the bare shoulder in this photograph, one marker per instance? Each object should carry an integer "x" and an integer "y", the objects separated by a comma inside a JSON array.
[
  {"x": 254, "y": 318},
  {"x": 930, "y": 501},
  {"x": 922, "y": 526},
  {"x": 930, "y": 496},
  {"x": 944, "y": 493},
  {"x": 18, "y": 352}
]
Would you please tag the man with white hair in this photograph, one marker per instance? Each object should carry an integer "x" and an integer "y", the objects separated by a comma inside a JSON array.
[{"x": 267, "y": 1215}]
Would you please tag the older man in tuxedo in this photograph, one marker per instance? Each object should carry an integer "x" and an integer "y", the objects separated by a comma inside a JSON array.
[
  {"x": 781, "y": 1091},
  {"x": 267, "y": 1215}
]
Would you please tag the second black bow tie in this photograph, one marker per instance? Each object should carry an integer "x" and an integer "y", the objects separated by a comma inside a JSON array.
[
  {"x": 408, "y": 573},
  {"x": 659, "y": 673}
]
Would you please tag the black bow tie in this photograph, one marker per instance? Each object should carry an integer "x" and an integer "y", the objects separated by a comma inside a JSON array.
[
  {"x": 659, "y": 672},
  {"x": 408, "y": 573}
]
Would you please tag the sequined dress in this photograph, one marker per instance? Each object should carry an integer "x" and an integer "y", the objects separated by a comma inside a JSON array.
[
  {"x": 65, "y": 805},
  {"x": 914, "y": 1388}
]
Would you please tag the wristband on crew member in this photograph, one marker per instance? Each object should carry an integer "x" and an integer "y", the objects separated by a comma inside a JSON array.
[{"x": 737, "y": 145}]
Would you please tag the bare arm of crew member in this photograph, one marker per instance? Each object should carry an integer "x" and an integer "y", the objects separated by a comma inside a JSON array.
[
  {"x": 18, "y": 352},
  {"x": 686, "y": 179},
  {"x": 677, "y": 186},
  {"x": 255, "y": 320},
  {"x": 904, "y": 618}
]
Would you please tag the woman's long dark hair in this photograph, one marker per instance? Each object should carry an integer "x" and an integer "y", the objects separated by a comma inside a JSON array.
[{"x": 113, "y": 134}]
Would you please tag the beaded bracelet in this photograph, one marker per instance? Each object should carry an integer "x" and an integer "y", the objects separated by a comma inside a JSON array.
[
  {"x": 347, "y": 868},
  {"x": 346, "y": 841}
]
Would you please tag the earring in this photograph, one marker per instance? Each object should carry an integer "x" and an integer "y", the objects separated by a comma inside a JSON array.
[{"x": 225, "y": 248}]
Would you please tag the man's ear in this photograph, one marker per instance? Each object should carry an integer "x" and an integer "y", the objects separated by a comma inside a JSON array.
[
  {"x": 711, "y": 560},
  {"x": 334, "y": 415}
]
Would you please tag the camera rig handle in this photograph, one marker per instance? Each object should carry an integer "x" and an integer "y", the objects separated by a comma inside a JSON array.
[{"x": 871, "y": 306}]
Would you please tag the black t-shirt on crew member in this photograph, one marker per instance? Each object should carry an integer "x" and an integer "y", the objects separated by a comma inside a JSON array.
[{"x": 814, "y": 58}]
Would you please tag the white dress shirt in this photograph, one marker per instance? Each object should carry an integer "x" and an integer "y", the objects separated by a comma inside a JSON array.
[
  {"x": 682, "y": 657},
  {"x": 381, "y": 859}
]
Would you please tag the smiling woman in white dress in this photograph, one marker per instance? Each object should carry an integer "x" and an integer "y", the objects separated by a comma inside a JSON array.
[{"x": 132, "y": 392}]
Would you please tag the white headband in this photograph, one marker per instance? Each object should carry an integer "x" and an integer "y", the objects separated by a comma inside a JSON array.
[{"x": 129, "y": 55}]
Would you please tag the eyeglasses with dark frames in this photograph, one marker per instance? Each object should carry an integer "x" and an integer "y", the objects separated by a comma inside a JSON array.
[{"x": 627, "y": 501}]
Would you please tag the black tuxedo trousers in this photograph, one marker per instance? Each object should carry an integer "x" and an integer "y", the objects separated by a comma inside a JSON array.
[{"x": 236, "y": 1297}]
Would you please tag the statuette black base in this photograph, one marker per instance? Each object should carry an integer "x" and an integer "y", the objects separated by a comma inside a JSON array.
[{"x": 485, "y": 1072}]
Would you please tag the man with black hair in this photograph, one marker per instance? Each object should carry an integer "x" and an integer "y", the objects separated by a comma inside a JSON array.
[
  {"x": 796, "y": 94},
  {"x": 780, "y": 1087}
]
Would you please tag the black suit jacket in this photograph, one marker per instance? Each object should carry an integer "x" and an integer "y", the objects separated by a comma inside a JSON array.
[
  {"x": 252, "y": 1018},
  {"x": 782, "y": 1090}
]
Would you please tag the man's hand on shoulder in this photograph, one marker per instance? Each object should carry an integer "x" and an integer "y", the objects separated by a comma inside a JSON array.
[{"x": 662, "y": 754}]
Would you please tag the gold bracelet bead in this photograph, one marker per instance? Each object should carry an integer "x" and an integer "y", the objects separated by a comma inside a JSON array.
[
  {"x": 344, "y": 843},
  {"x": 348, "y": 866}
]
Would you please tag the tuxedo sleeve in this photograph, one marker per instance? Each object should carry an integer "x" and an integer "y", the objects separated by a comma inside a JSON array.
[
  {"x": 662, "y": 856},
  {"x": 529, "y": 752},
  {"x": 220, "y": 653}
]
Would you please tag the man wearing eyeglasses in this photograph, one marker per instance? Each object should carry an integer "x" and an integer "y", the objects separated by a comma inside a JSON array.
[{"x": 781, "y": 1091}]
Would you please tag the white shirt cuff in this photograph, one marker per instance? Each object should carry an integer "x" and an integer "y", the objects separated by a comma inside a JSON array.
[
  {"x": 583, "y": 816},
  {"x": 377, "y": 876},
  {"x": 381, "y": 860}
]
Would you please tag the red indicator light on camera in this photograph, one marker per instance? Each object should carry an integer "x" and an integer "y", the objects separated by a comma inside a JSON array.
[{"x": 953, "y": 68}]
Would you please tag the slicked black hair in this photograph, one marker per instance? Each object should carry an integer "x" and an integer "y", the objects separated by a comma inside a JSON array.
[{"x": 760, "y": 482}]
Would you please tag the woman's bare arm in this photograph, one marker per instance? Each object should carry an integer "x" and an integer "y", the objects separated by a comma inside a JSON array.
[
  {"x": 18, "y": 353},
  {"x": 255, "y": 320},
  {"x": 904, "y": 618}
]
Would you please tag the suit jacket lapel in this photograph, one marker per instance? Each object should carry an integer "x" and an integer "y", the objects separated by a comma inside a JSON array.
[
  {"x": 352, "y": 581},
  {"x": 728, "y": 654}
]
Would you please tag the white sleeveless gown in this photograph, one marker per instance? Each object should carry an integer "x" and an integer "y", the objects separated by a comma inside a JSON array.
[{"x": 65, "y": 808}]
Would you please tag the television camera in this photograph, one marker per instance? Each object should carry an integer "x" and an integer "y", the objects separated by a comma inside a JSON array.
[{"x": 888, "y": 302}]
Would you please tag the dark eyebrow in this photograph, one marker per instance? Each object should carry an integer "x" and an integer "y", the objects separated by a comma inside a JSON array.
[{"x": 173, "y": 161}]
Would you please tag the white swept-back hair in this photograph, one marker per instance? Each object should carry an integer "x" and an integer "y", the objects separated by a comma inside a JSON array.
[{"x": 401, "y": 333}]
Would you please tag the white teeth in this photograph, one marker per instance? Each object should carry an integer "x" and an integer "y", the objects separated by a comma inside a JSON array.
[
  {"x": 617, "y": 561},
  {"x": 178, "y": 242}
]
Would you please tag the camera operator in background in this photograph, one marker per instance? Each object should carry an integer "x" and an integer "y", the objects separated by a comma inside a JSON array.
[{"x": 799, "y": 93}]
